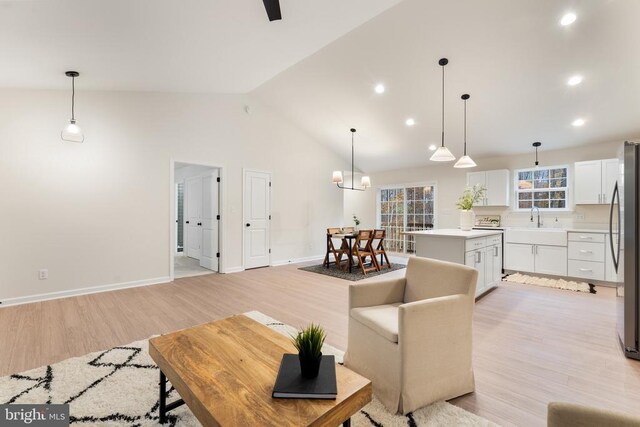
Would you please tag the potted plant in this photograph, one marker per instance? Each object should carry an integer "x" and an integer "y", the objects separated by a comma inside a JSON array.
[
  {"x": 469, "y": 197},
  {"x": 309, "y": 342},
  {"x": 356, "y": 220}
]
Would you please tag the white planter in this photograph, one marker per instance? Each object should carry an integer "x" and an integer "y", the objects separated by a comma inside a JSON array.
[{"x": 466, "y": 220}]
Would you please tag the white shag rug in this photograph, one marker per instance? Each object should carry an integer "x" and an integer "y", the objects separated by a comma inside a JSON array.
[
  {"x": 119, "y": 386},
  {"x": 549, "y": 283}
]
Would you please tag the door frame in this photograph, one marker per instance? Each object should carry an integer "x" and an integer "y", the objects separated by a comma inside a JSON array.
[
  {"x": 244, "y": 208},
  {"x": 222, "y": 198}
]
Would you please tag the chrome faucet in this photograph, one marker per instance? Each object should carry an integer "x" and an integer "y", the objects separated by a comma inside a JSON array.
[{"x": 537, "y": 209}]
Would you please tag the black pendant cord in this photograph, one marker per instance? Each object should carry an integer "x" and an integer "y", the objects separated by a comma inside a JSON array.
[
  {"x": 353, "y": 131},
  {"x": 352, "y": 169},
  {"x": 443, "y": 106},
  {"x": 465, "y": 127},
  {"x": 73, "y": 99},
  {"x": 536, "y": 145}
]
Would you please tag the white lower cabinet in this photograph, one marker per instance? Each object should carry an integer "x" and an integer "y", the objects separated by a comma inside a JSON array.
[
  {"x": 536, "y": 258},
  {"x": 487, "y": 259},
  {"x": 550, "y": 260}
]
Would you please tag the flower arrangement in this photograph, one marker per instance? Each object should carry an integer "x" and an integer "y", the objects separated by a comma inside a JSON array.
[
  {"x": 470, "y": 196},
  {"x": 356, "y": 220}
]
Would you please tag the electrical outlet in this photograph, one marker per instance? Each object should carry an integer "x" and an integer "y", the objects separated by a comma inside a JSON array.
[
  {"x": 43, "y": 274},
  {"x": 580, "y": 217}
]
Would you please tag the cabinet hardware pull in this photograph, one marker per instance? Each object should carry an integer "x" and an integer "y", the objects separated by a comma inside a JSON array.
[
  {"x": 495, "y": 251},
  {"x": 586, "y": 237},
  {"x": 584, "y": 251},
  {"x": 532, "y": 250},
  {"x": 585, "y": 269},
  {"x": 599, "y": 198}
]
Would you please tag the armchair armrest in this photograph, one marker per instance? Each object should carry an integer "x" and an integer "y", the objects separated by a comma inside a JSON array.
[
  {"x": 376, "y": 293},
  {"x": 423, "y": 320}
]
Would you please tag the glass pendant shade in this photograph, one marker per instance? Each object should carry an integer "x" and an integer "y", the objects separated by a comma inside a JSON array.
[
  {"x": 337, "y": 177},
  {"x": 442, "y": 154},
  {"x": 72, "y": 132},
  {"x": 465, "y": 162},
  {"x": 365, "y": 182}
]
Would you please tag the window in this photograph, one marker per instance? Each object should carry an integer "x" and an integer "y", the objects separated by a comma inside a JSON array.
[
  {"x": 544, "y": 188},
  {"x": 405, "y": 209}
]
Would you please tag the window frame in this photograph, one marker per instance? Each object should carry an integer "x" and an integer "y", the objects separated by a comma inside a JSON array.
[
  {"x": 568, "y": 207},
  {"x": 404, "y": 187}
]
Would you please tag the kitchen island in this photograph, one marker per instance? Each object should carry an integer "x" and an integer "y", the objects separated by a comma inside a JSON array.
[{"x": 480, "y": 249}]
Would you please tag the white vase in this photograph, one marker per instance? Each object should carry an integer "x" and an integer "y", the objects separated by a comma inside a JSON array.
[{"x": 466, "y": 219}]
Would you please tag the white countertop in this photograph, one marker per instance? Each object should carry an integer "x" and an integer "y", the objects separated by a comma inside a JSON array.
[{"x": 454, "y": 232}]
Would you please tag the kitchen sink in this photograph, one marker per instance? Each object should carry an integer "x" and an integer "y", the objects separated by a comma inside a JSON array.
[{"x": 537, "y": 236}]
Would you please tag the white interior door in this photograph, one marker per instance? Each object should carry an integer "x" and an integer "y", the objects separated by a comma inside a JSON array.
[
  {"x": 193, "y": 217},
  {"x": 210, "y": 211},
  {"x": 257, "y": 212}
]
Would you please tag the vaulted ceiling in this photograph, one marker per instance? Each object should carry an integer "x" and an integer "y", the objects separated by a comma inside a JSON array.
[
  {"x": 222, "y": 46},
  {"x": 512, "y": 57}
]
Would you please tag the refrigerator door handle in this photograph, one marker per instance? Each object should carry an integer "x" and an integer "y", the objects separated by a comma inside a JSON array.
[{"x": 615, "y": 254}]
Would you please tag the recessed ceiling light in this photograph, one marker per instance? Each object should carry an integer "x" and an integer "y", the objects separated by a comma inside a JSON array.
[
  {"x": 568, "y": 19},
  {"x": 379, "y": 88},
  {"x": 574, "y": 80},
  {"x": 432, "y": 147},
  {"x": 410, "y": 122},
  {"x": 578, "y": 122}
]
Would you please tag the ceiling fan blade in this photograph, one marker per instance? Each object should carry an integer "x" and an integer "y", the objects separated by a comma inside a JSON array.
[{"x": 273, "y": 9}]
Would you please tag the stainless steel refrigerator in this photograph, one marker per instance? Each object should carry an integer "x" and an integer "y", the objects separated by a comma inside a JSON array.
[{"x": 624, "y": 230}]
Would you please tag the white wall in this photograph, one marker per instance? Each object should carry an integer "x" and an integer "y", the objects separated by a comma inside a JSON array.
[
  {"x": 451, "y": 182},
  {"x": 97, "y": 213}
]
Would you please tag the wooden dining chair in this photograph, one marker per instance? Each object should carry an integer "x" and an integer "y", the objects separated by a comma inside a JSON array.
[
  {"x": 331, "y": 249},
  {"x": 348, "y": 229},
  {"x": 377, "y": 244},
  {"x": 362, "y": 250}
]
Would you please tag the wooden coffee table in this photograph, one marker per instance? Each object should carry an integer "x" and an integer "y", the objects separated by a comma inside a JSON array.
[{"x": 225, "y": 370}]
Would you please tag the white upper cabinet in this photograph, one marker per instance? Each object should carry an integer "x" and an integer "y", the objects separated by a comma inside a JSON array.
[
  {"x": 594, "y": 181},
  {"x": 497, "y": 184}
]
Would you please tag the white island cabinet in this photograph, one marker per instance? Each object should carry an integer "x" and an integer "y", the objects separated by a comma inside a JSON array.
[{"x": 480, "y": 249}]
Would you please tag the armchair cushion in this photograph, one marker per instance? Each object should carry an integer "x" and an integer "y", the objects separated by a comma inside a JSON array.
[
  {"x": 376, "y": 293},
  {"x": 382, "y": 319}
]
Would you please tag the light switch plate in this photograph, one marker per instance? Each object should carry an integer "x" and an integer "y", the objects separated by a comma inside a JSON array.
[{"x": 43, "y": 274}]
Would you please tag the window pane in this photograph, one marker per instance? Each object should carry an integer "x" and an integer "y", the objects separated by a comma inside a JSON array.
[
  {"x": 524, "y": 205},
  {"x": 541, "y": 195},
  {"x": 558, "y": 173},
  {"x": 525, "y": 176},
  {"x": 525, "y": 185},
  {"x": 411, "y": 207},
  {"x": 558, "y": 195},
  {"x": 557, "y": 203},
  {"x": 419, "y": 193},
  {"x": 384, "y": 220},
  {"x": 420, "y": 207},
  {"x": 524, "y": 196},
  {"x": 541, "y": 174},
  {"x": 541, "y": 183},
  {"x": 428, "y": 209},
  {"x": 428, "y": 192},
  {"x": 410, "y": 194},
  {"x": 541, "y": 203},
  {"x": 558, "y": 182}
]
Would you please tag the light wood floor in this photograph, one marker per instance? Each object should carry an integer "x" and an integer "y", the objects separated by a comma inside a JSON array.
[{"x": 531, "y": 345}]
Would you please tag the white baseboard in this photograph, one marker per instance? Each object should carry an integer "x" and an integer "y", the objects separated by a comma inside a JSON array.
[
  {"x": 83, "y": 291},
  {"x": 237, "y": 269},
  {"x": 297, "y": 260}
]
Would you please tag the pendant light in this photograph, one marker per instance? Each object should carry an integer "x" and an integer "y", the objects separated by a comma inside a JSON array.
[
  {"x": 72, "y": 131},
  {"x": 337, "y": 179},
  {"x": 536, "y": 145},
  {"x": 465, "y": 161},
  {"x": 442, "y": 154}
]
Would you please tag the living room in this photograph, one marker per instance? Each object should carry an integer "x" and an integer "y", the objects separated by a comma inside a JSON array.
[{"x": 269, "y": 105}]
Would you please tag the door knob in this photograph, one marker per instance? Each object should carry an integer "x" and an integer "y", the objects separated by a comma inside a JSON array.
[
  {"x": 248, "y": 225},
  {"x": 187, "y": 222},
  {"x": 199, "y": 223}
]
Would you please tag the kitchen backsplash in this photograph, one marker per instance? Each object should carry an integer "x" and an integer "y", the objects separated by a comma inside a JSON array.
[{"x": 584, "y": 216}]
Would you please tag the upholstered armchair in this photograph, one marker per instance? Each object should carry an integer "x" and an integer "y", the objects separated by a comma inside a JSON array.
[
  {"x": 412, "y": 336},
  {"x": 562, "y": 414}
]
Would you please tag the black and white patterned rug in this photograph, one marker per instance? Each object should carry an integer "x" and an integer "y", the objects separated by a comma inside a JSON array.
[
  {"x": 119, "y": 386},
  {"x": 356, "y": 273}
]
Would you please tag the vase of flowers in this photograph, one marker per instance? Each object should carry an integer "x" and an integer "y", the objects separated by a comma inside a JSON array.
[
  {"x": 469, "y": 197},
  {"x": 309, "y": 343},
  {"x": 356, "y": 221}
]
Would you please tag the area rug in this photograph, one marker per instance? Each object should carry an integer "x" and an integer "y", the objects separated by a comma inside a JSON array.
[
  {"x": 356, "y": 273},
  {"x": 119, "y": 386},
  {"x": 550, "y": 283}
]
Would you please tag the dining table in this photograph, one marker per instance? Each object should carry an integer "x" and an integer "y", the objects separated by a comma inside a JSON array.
[{"x": 349, "y": 237}]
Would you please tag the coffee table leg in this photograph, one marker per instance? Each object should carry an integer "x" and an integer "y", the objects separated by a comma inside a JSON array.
[
  {"x": 347, "y": 423},
  {"x": 163, "y": 398}
]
